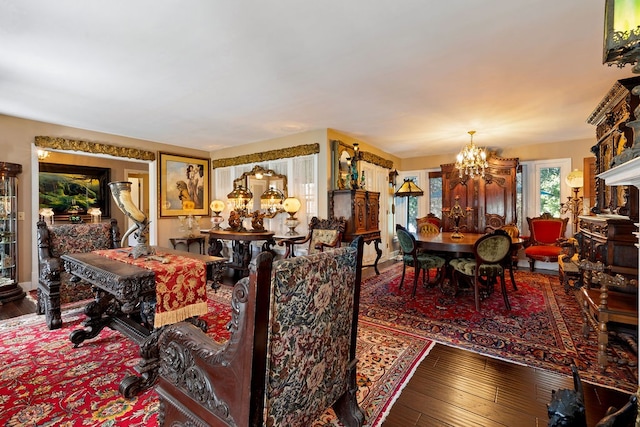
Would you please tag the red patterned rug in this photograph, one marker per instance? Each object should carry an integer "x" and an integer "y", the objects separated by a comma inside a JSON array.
[
  {"x": 44, "y": 381},
  {"x": 542, "y": 330}
]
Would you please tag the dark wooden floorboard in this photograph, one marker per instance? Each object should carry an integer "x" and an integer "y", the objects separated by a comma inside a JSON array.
[{"x": 454, "y": 387}]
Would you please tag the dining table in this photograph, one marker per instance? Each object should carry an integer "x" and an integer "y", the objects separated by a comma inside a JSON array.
[{"x": 448, "y": 246}]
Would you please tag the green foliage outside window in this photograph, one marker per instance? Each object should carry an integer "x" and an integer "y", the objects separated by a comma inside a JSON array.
[{"x": 550, "y": 191}]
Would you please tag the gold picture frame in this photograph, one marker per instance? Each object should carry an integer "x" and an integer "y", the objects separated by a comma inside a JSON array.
[{"x": 183, "y": 184}]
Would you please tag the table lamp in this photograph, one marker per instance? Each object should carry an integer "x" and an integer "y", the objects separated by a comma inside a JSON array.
[
  {"x": 216, "y": 206},
  {"x": 291, "y": 205}
]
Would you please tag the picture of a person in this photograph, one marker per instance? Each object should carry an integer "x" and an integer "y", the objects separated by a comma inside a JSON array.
[{"x": 195, "y": 173}]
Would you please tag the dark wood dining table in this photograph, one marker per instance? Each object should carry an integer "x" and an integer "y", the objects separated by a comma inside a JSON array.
[{"x": 443, "y": 243}]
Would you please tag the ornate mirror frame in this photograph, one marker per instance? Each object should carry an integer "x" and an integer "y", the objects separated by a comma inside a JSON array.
[{"x": 259, "y": 180}]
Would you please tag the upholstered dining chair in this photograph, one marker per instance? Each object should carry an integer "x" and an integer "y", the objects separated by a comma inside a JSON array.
[
  {"x": 323, "y": 233},
  {"x": 489, "y": 253},
  {"x": 511, "y": 261},
  {"x": 418, "y": 260},
  {"x": 545, "y": 237}
]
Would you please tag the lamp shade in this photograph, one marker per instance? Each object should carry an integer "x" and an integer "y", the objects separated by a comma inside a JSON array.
[
  {"x": 291, "y": 205},
  {"x": 240, "y": 197},
  {"x": 575, "y": 179},
  {"x": 621, "y": 32},
  {"x": 409, "y": 189}
]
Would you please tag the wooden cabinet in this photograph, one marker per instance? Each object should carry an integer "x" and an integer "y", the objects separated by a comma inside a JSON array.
[
  {"x": 9, "y": 288},
  {"x": 611, "y": 241},
  {"x": 608, "y": 236},
  {"x": 613, "y": 136},
  {"x": 489, "y": 202},
  {"x": 361, "y": 209}
]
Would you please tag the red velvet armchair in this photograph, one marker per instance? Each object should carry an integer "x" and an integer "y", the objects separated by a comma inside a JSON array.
[{"x": 545, "y": 234}]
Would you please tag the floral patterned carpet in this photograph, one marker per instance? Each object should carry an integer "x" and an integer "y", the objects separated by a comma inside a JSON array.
[
  {"x": 45, "y": 381},
  {"x": 542, "y": 330}
]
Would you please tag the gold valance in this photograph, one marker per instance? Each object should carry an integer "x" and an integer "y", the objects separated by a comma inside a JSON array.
[
  {"x": 56, "y": 143},
  {"x": 284, "y": 153}
]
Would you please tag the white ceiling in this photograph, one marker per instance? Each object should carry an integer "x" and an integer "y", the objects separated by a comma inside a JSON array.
[{"x": 408, "y": 76}]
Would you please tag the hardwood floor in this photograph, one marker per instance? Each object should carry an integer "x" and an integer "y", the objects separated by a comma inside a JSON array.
[{"x": 453, "y": 387}]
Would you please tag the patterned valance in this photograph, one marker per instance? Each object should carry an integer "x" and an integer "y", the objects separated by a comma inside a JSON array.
[
  {"x": 56, "y": 143},
  {"x": 284, "y": 153}
]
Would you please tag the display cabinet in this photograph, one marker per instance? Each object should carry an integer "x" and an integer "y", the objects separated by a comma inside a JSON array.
[{"x": 9, "y": 288}]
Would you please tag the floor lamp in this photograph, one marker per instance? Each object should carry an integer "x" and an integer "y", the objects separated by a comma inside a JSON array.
[{"x": 409, "y": 189}]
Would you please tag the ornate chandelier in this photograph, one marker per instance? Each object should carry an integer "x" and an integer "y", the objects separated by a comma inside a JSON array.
[{"x": 472, "y": 160}]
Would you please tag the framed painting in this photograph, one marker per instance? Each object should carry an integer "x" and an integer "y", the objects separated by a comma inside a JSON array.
[
  {"x": 73, "y": 190},
  {"x": 183, "y": 185}
]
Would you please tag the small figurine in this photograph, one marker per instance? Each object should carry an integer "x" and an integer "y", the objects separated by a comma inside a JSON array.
[
  {"x": 235, "y": 221},
  {"x": 257, "y": 221}
]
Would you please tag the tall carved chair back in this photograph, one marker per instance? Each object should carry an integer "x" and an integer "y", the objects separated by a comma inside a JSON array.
[
  {"x": 323, "y": 233},
  {"x": 429, "y": 219},
  {"x": 55, "y": 285},
  {"x": 489, "y": 253},
  {"x": 545, "y": 234},
  {"x": 420, "y": 261},
  {"x": 291, "y": 353}
]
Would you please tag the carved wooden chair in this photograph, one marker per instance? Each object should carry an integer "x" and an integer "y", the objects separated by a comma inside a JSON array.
[
  {"x": 291, "y": 353},
  {"x": 545, "y": 234},
  {"x": 489, "y": 253},
  {"x": 613, "y": 299},
  {"x": 420, "y": 261},
  {"x": 323, "y": 233},
  {"x": 55, "y": 285},
  {"x": 429, "y": 219}
]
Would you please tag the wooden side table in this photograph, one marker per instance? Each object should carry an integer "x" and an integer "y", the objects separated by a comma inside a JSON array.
[{"x": 187, "y": 241}]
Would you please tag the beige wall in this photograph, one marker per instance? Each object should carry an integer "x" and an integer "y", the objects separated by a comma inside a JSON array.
[{"x": 16, "y": 146}]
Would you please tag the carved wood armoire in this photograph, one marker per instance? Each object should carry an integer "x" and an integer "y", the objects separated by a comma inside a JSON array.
[{"x": 489, "y": 202}]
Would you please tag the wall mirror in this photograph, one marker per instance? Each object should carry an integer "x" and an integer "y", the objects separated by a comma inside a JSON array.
[
  {"x": 341, "y": 165},
  {"x": 258, "y": 180}
]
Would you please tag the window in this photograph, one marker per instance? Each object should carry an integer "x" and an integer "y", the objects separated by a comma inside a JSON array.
[
  {"x": 435, "y": 194},
  {"x": 542, "y": 188}
]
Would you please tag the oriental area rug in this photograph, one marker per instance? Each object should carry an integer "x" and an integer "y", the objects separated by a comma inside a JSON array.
[
  {"x": 543, "y": 329},
  {"x": 45, "y": 381}
]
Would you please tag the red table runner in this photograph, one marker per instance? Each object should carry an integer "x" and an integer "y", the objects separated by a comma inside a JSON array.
[{"x": 181, "y": 284}]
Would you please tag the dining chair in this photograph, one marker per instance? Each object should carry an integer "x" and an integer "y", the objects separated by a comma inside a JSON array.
[
  {"x": 546, "y": 234},
  {"x": 486, "y": 265},
  {"x": 511, "y": 261},
  {"x": 429, "y": 219},
  {"x": 420, "y": 261}
]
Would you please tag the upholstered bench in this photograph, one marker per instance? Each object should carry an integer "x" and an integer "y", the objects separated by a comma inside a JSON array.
[{"x": 56, "y": 286}]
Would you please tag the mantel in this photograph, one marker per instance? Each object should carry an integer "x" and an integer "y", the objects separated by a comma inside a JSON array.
[{"x": 625, "y": 174}]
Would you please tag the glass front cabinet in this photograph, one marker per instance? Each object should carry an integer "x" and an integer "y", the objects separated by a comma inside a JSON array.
[{"x": 9, "y": 288}]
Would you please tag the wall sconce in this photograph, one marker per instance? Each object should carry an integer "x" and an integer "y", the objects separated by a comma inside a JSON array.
[
  {"x": 42, "y": 154},
  {"x": 573, "y": 205},
  {"x": 216, "y": 206},
  {"x": 291, "y": 205},
  {"x": 96, "y": 214},
  {"x": 621, "y": 47},
  {"x": 46, "y": 214}
]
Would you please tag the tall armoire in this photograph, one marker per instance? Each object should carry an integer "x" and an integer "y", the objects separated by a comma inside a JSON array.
[{"x": 489, "y": 202}]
